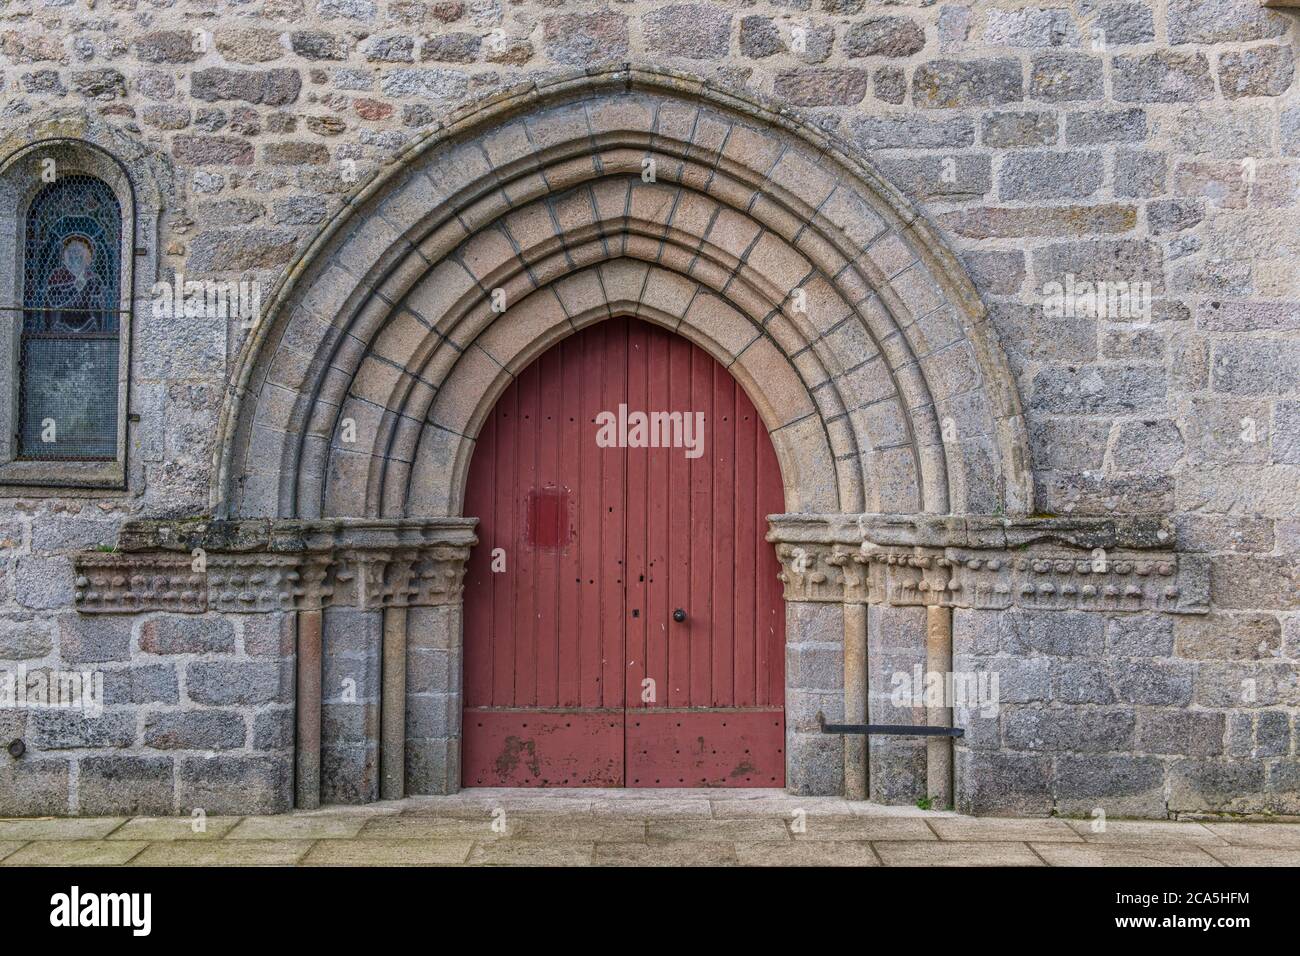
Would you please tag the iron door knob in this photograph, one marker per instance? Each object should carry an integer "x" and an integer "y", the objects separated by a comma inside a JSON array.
[{"x": 679, "y": 615}]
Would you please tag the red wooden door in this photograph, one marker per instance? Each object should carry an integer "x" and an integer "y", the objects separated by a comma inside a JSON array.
[{"x": 576, "y": 671}]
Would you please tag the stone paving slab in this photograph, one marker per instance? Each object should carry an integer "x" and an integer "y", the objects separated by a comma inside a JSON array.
[
  {"x": 59, "y": 828},
  {"x": 578, "y": 829},
  {"x": 747, "y": 831},
  {"x": 154, "y": 829},
  {"x": 1272, "y": 835},
  {"x": 532, "y": 853},
  {"x": 428, "y": 827},
  {"x": 819, "y": 853},
  {"x": 676, "y": 853},
  {"x": 863, "y": 828},
  {"x": 1124, "y": 854},
  {"x": 783, "y": 806},
  {"x": 631, "y": 828},
  {"x": 293, "y": 827},
  {"x": 943, "y": 853},
  {"x": 75, "y": 853},
  {"x": 224, "y": 853},
  {"x": 1145, "y": 831},
  {"x": 388, "y": 853},
  {"x": 1254, "y": 855},
  {"x": 1001, "y": 830},
  {"x": 654, "y": 808}
]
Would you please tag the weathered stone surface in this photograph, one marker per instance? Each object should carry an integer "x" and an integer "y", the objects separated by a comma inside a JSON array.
[
  {"x": 947, "y": 84},
  {"x": 125, "y": 784},
  {"x": 822, "y": 87},
  {"x": 1212, "y": 21},
  {"x": 200, "y": 730},
  {"x": 1162, "y": 77},
  {"x": 581, "y": 38},
  {"x": 694, "y": 31},
  {"x": 1018, "y": 129},
  {"x": 226, "y": 683},
  {"x": 1044, "y": 175},
  {"x": 913, "y": 132},
  {"x": 1066, "y": 77},
  {"x": 24, "y": 636},
  {"x": 1260, "y": 71},
  {"x": 186, "y": 634},
  {"x": 884, "y": 36},
  {"x": 34, "y": 787},
  {"x": 88, "y": 641},
  {"x": 276, "y": 87},
  {"x": 236, "y": 784},
  {"x": 1151, "y": 445}
]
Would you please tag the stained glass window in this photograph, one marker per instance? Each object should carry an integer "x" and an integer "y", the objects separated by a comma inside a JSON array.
[{"x": 69, "y": 350}]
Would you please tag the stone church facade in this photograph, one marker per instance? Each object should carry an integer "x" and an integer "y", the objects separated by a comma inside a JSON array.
[{"x": 1012, "y": 285}]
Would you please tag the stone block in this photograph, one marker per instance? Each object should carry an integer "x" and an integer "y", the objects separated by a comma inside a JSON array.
[
  {"x": 187, "y": 634},
  {"x": 235, "y": 784},
  {"x": 198, "y": 730},
  {"x": 34, "y": 787},
  {"x": 1002, "y": 784},
  {"x": 235, "y": 682},
  {"x": 128, "y": 785}
]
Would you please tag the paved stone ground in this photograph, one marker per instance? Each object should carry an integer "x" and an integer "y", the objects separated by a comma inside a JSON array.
[{"x": 631, "y": 827}]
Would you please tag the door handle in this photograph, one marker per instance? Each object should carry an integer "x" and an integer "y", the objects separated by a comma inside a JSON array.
[{"x": 679, "y": 615}]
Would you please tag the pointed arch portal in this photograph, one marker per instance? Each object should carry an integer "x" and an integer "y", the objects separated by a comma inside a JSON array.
[{"x": 364, "y": 390}]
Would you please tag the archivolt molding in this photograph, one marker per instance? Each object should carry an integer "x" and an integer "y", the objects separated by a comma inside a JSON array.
[
  {"x": 1093, "y": 564},
  {"x": 761, "y": 239}
]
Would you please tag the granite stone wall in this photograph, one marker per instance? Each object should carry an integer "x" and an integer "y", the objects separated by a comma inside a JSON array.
[{"x": 1049, "y": 141}]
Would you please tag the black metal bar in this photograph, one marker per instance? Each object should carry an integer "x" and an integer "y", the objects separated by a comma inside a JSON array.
[{"x": 897, "y": 730}]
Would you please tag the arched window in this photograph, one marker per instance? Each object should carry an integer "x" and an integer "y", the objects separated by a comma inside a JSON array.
[
  {"x": 78, "y": 248},
  {"x": 69, "y": 345}
]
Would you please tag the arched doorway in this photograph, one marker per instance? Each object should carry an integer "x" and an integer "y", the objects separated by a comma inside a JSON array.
[
  {"x": 360, "y": 395},
  {"x": 623, "y": 618}
]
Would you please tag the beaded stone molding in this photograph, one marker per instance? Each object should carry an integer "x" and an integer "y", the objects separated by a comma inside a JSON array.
[
  {"x": 989, "y": 563},
  {"x": 259, "y": 566}
]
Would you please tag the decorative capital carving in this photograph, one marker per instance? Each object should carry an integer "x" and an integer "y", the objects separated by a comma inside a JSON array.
[
  {"x": 260, "y": 566},
  {"x": 1112, "y": 564}
]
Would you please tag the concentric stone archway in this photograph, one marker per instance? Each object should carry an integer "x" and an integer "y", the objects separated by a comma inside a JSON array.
[{"x": 629, "y": 192}]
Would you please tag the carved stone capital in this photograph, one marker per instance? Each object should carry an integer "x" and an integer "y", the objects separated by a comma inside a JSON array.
[
  {"x": 975, "y": 561},
  {"x": 260, "y": 566}
]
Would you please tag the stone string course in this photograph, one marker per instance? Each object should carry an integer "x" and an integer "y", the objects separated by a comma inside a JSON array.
[{"x": 1148, "y": 140}]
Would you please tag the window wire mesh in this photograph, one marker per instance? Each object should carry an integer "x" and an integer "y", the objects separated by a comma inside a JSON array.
[{"x": 68, "y": 355}]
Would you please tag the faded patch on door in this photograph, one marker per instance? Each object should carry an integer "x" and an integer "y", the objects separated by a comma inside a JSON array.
[{"x": 547, "y": 525}]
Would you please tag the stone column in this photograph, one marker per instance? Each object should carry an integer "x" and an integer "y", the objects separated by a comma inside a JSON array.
[
  {"x": 938, "y": 753},
  {"x": 307, "y": 786},
  {"x": 392, "y": 707},
  {"x": 433, "y": 699},
  {"x": 350, "y": 704},
  {"x": 855, "y": 699},
  {"x": 896, "y": 655}
]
